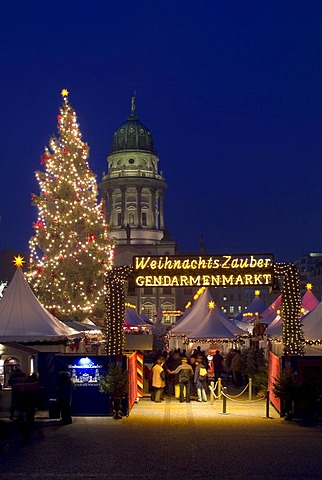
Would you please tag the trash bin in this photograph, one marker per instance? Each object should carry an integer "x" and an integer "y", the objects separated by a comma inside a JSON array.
[{"x": 53, "y": 408}]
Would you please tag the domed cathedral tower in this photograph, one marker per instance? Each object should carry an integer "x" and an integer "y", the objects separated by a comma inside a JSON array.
[{"x": 133, "y": 190}]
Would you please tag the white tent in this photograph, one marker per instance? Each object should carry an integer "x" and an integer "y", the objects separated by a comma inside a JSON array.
[
  {"x": 309, "y": 304},
  {"x": 268, "y": 315},
  {"x": 83, "y": 326},
  {"x": 274, "y": 329},
  {"x": 246, "y": 327},
  {"x": 194, "y": 317},
  {"x": 183, "y": 316},
  {"x": 198, "y": 315},
  {"x": 214, "y": 326},
  {"x": 256, "y": 307},
  {"x": 23, "y": 319},
  {"x": 312, "y": 324}
]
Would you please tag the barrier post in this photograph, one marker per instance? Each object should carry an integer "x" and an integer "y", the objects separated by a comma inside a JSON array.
[
  {"x": 211, "y": 389},
  {"x": 219, "y": 387},
  {"x": 224, "y": 401},
  {"x": 267, "y": 403},
  {"x": 250, "y": 388}
]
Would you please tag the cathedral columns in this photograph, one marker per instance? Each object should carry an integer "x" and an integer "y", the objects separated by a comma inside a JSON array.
[
  {"x": 161, "y": 195},
  {"x": 108, "y": 207},
  {"x": 139, "y": 210},
  {"x": 123, "y": 190},
  {"x": 154, "y": 219}
]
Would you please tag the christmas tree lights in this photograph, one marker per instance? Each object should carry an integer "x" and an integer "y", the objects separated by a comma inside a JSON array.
[
  {"x": 292, "y": 334},
  {"x": 70, "y": 251},
  {"x": 115, "y": 309}
]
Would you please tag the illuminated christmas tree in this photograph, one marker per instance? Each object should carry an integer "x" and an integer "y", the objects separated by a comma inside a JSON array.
[{"x": 71, "y": 251}]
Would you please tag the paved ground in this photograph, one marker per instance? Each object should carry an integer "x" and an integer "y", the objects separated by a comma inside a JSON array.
[{"x": 168, "y": 441}]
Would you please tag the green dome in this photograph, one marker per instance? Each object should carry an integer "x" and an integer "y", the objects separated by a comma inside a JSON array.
[{"x": 133, "y": 135}]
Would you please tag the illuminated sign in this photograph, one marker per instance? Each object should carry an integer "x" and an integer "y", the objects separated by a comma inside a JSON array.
[
  {"x": 203, "y": 270},
  {"x": 85, "y": 372}
]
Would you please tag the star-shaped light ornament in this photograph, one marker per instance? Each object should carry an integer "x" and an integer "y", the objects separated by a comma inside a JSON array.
[
  {"x": 64, "y": 92},
  {"x": 257, "y": 293},
  {"x": 18, "y": 261},
  {"x": 211, "y": 305},
  {"x": 309, "y": 286}
]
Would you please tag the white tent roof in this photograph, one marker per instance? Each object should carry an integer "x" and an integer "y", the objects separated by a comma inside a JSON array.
[
  {"x": 82, "y": 326},
  {"x": 274, "y": 329},
  {"x": 309, "y": 304},
  {"x": 194, "y": 317},
  {"x": 214, "y": 326},
  {"x": 256, "y": 306},
  {"x": 246, "y": 327},
  {"x": 268, "y": 315},
  {"x": 184, "y": 315},
  {"x": 199, "y": 315},
  {"x": 24, "y": 319},
  {"x": 312, "y": 324}
]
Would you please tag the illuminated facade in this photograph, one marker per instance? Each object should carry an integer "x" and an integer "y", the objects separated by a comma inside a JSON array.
[{"x": 133, "y": 190}]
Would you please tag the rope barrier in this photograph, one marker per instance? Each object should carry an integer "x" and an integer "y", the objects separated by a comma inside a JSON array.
[
  {"x": 243, "y": 391},
  {"x": 223, "y": 392},
  {"x": 245, "y": 402}
]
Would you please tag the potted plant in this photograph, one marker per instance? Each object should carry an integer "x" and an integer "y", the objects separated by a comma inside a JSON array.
[
  {"x": 260, "y": 381},
  {"x": 115, "y": 383},
  {"x": 285, "y": 387}
]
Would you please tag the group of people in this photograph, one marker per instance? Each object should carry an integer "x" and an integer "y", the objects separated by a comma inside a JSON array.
[
  {"x": 25, "y": 393},
  {"x": 177, "y": 375}
]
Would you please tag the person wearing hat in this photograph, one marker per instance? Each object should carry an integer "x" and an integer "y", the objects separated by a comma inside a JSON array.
[{"x": 185, "y": 372}]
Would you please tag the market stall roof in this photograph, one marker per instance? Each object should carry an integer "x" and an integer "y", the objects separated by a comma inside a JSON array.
[
  {"x": 246, "y": 327},
  {"x": 309, "y": 301},
  {"x": 132, "y": 319},
  {"x": 145, "y": 318},
  {"x": 88, "y": 321},
  {"x": 256, "y": 306},
  {"x": 312, "y": 324},
  {"x": 194, "y": 316},
  {"x": 274, "y": 329},
  {"x": 268, "y": 315},
  {"x": 23, "y": 319},
  {"x": 214, "y": 326},
  {"x": 82, "y": 326},
  {"x": 199, "y": 314},
  {"x": 183, "y": 316}
]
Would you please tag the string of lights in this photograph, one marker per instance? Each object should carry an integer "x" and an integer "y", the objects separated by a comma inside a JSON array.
[
  {"x": 292, "y": 333},
  {"x": 115, "y": 309},
  {"x": 71, "y": 250}
]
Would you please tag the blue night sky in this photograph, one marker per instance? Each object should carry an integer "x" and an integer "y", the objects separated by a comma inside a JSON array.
[{"x": 231, "y": 91}]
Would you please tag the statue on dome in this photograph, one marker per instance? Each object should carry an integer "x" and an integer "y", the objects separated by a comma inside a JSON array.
[{"x": 133, "y": 103}]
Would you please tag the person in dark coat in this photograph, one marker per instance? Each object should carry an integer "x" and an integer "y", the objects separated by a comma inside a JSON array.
[
  {"x": 17, "y": 378},
  {"x": 65, "y": 388},
  {"x": 32, "y": 388},
  {"x": 218, "y": 363}
]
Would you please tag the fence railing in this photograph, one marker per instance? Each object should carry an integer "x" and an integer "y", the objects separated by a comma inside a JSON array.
[{"x": 224, "y": 395}]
